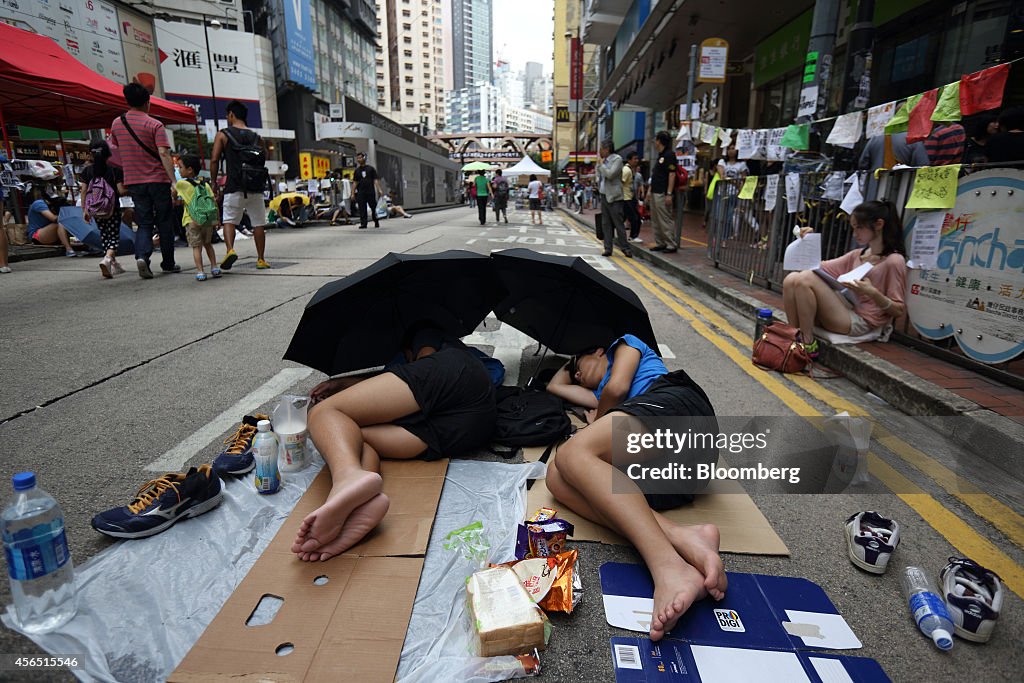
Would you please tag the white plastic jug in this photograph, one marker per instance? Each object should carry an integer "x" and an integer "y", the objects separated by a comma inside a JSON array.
[{"x": 289, "y": 418}]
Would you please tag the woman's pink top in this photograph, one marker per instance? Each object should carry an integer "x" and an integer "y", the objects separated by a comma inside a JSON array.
[{"x": 889, "y": 276}]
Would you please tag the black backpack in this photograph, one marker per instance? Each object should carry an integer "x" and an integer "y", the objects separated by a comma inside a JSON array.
[
  {"x": 529, "y": 418},
  {"x": 249, "y": 170}
]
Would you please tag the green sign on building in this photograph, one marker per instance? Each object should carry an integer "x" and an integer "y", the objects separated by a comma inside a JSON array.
[{"x": 783, "y": 51}]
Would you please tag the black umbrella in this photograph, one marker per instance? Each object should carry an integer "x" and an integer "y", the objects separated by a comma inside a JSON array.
[
  {"x": 360, "y": 321},
  {"x": 565, "y": 304}
]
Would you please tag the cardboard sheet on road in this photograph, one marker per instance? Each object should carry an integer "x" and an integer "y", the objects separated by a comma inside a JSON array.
[
  {"x": 743, "y": 527},
  {"x": 334, "y": 626}
]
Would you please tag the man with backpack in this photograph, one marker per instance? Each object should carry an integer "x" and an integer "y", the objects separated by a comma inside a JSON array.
[
  {"x": 247, "y": 179},
  {"x": 663, "y": 186},
  {"x": 145, "y": 156}
]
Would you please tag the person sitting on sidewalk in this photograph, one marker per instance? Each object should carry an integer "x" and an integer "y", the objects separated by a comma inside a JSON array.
[
  {"x": 43, "y": 227},
  {"x": 809, "y": 300},
  {"x": 439, "y": 404},
  {"x": 621, "y": 385},
  {"x": 394, "y": 210}
]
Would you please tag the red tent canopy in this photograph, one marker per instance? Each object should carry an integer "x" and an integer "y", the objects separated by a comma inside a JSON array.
[{"x": 41, "y": 85}]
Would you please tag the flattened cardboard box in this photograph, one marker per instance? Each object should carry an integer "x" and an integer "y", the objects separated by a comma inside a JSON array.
[{"x": 352, "y": 626}]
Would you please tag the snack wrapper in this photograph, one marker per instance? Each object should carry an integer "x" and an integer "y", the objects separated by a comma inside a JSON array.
[
  {"x": 553, "y": 582},
  {"x": 542, "y": 539}
]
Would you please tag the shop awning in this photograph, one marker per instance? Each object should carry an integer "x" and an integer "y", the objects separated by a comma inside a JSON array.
[{"x": 41, "y": 85}]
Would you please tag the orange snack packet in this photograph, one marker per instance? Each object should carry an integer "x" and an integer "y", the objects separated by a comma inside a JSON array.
[{"x": 559, "y": 593}]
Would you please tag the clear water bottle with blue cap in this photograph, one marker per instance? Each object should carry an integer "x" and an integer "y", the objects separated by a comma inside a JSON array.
[
  {"x": 764, "y": 319},
  {"x": 38, "y": 560},
  {"x": 929, "y": 610}
]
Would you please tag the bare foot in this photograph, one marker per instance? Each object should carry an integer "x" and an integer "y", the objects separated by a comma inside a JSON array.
[
  {"x": 698, "y": 545},
  {"x": 324, "y": 524},
  {"x": 677, "y": 585},
  {"x": 362, "y": 521}
]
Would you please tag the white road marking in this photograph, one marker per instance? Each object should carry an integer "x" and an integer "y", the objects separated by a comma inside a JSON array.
[
  {"x": 174, "y": 459},
  {"x": 508, "y": 343},
  {"x": 665, "y": 351}
]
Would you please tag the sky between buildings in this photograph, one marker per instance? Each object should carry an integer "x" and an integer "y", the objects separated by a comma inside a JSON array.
[{"x": 523, "y": 32}]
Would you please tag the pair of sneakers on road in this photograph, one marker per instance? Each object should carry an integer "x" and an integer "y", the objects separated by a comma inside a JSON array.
[
  {"x": 973, "y": 594},
  {"x": 168, "y": 499},
  {"x": 232, "y": 256}
]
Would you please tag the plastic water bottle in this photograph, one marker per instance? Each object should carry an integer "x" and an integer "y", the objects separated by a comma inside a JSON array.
[
  {"x": 38, "y": 561},
  {"x": 764, "y": 319},
  {"x": 264, "y": 449},
  {"x": 927, "y": 607}
]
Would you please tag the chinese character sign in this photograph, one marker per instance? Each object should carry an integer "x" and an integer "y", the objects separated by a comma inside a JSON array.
[
  {"x": 714, "y": 59},
  {"x": 975, "y": 290},
  {"x": 305, "y": 165},
  {"x": 299, "y": 32}
]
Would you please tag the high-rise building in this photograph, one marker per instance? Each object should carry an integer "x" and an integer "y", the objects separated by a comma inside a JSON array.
[
  {"x": 472, "y": 43},
  {"x": 532, "y": 75},
  {"x": 510, "y": 84},
  {"x": 410, "y": 63},
  {"x": 480, "y": 109}
]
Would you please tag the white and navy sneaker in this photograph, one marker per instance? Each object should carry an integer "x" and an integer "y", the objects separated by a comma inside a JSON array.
[
  {"x": 974, "y": 596},
  {"x": 237, "y": 458},
  {"x": 871, "y": 540},
  {"x": 161, "y": 503}
]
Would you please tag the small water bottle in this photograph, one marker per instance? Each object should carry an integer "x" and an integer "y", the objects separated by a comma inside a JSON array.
[
  {"x": 927, "y": 607},
  {"x": 38, "y": 560},
  {"x": 764, "y": 319},
  {"x": 264, "y": 449}
]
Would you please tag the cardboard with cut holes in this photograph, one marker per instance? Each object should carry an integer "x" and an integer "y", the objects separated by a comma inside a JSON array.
[{"x": 346, "y": 617}]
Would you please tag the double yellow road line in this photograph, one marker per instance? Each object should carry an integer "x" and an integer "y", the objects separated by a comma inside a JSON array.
[{"x": 947, "y": 523}]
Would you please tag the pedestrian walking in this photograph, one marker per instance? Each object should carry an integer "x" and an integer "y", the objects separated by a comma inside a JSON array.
[
  {"x": 481, "y": 185},
  {"x": 246, "y": 179},
  {"x": 609, "y": 171},
  {"x": 499, "y": 190},
  {"x": 663, "y": 185},
  {"x": 101, "y": 187},
  {"x": 632, "y": 182},
  {"x": 148, "y": 174},
  {"x": 365, "y": 190},
  {"x": 199, "y": 216},
  {"x": 534, "y": 190}
]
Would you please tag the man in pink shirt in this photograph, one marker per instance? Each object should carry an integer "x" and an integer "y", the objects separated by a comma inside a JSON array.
[{"x": 148, "y": 176}]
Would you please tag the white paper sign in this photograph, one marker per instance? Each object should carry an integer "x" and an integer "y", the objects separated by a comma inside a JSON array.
[
  {"x": 771, "y": 192},
  {"x": 761, "y": 144},
  {"x": 834, "y": 186},
  {"x": 707, "y": 134},
  {"x": 793, "y": 192},
  {"x": 313, "y": 186},
  {"x": 808, "y": 101},
  {"x": 853, "y": 198},
  {"x": 924, "y": 241},
  {"x": 847, "y": 129},
  {"x": 878, "y": 117},
  {"x": 803, "y": 253},
  {"x": 745, "y": 144},
  {"x": 775, "y": 151}
]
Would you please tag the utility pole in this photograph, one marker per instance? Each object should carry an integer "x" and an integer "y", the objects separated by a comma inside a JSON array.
[
  {"x": 689, "y": 109},
  {"x": 859, "y": 47},
  {"x": 818, "y": 65}
]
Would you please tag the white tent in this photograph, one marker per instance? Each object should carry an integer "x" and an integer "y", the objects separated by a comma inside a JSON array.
[{"x": 526, "y": 166}]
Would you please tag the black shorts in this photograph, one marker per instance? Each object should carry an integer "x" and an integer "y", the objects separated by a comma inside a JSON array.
[
  {"x": 672, "y": 395},
  {"x": 534, "y": 204},
  {"x": 456, "y": 398}
]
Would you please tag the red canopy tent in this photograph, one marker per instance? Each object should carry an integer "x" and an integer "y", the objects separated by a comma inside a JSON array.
[{"x": 41, "y": 85}]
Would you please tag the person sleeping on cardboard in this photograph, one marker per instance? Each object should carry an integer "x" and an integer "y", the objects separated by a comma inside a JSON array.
[
  {"x": 628, "y": 379},
  {"x": 438, "y": 404}
]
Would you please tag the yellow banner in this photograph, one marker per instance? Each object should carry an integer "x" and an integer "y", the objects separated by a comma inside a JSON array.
[
  {"x": 749, "y": 185},
  {"x": 934, "y": 187}
]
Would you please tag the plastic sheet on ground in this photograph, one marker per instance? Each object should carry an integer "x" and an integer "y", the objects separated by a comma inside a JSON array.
[
  {"x": 438, "y": 646},
  {"x": 142, "y": 604}
]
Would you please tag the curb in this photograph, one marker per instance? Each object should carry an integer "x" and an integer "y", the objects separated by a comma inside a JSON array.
[
  {"x": 987, "y": 434},
  {"x": 31, "y": 252}
]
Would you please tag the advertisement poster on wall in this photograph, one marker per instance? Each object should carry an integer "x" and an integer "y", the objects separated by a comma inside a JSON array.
[
  {"x": 186, "y": 69},
  {"x": 975, "y": 292},
  {"x": 299, "y": 34},
  {"x": 87, "y": 30},
  {"x": 139, "y": 46}
]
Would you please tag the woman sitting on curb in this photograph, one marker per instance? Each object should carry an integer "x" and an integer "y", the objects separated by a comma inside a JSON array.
[
  {"x": 630, "y": 381},
  {"x": 809, "y": 300}
]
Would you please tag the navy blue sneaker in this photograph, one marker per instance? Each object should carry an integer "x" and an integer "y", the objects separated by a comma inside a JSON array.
[
  {"x": 237, "y": 458},
  {"x": 161, "y": 503}
]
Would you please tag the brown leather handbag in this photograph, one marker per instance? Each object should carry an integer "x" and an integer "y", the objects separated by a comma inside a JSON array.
[{"x": 778, "y": 350}]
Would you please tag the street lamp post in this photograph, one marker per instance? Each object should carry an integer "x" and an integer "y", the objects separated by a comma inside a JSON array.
[{"x": 215, "y": 24}]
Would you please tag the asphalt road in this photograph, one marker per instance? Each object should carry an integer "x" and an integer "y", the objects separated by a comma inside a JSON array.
[{"x": 101, "y": 378}]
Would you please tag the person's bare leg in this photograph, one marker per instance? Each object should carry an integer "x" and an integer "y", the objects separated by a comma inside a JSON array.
[
  {"x": 62, "y": 235},
  {"x": 260, "y": 236},
  {"x": 335, "y": 424},
  {"x": 677, "y": 584},
  {"x": 817, "y": 303},
  {"x": 211, "y": 255},
  {"x": 697, "y": 544},
  {"x": 229, "y": 236},
  {"x": 789, "y": 286},
  {"x": 197, "y": 256}
]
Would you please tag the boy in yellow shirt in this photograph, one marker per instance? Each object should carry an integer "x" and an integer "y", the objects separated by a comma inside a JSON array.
[{"x": 200, "y": 214}]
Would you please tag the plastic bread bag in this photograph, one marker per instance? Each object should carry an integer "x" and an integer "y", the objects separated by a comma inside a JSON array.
[{"x": 505, "y": 618}]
